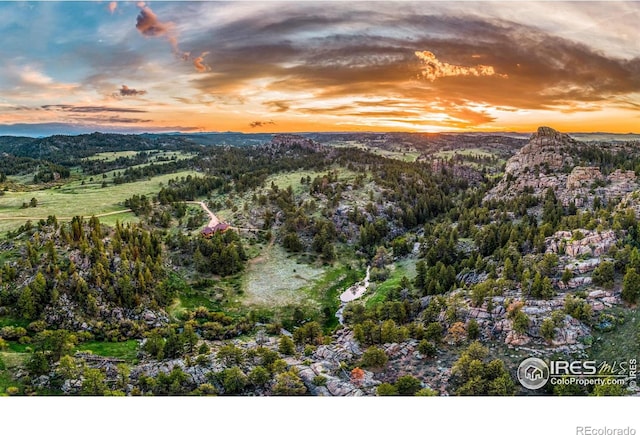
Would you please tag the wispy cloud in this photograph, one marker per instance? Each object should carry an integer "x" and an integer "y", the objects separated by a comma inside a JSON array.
[{"x": 90, "y": 109}]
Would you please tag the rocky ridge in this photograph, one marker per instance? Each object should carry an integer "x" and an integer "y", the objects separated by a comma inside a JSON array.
[{"x": 549, "y": 161}]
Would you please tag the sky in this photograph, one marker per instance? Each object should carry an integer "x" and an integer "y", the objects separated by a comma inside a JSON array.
[{"x": 269, "y": 66}]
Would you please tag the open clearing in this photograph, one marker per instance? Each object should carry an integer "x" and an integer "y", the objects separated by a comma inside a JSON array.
[
  {"x": 111, "y": 156},
  {"x": 464, "y": 152},
  {"x": 398, "y": 270},
  {"x": 74, "y": 199},
  {"x": 278, "y": 280},
  {"x": 410, "y": 155},
  {"x": 127, "y": 350},
  {"x": 286, "y": 179},
  {"x": 154, "y": 155}
]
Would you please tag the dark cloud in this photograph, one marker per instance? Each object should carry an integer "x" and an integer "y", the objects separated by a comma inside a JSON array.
[
  {"x": 114, "y": 120},
  {"x": 255, "y": 124},
  {"x": 126, "y": 91},
  {"x": 89, "y": 109}
]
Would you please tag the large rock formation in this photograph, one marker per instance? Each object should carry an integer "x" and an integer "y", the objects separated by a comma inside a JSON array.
[
  {"x": 549, "y": 160},
  {"x": 537, "y": 166},
  {"x": 545, "y": 149}
]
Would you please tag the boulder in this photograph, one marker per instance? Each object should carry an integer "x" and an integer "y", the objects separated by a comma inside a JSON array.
[
  {"x": 581, "y": 175},
  {"x": 515, "y": 339}
]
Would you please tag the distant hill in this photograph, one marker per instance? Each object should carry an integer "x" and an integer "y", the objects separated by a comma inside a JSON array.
[{"x": 61, "y": 149}]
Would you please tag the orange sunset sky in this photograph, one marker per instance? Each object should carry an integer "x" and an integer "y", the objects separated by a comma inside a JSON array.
[{"x": 319, "y": 66}]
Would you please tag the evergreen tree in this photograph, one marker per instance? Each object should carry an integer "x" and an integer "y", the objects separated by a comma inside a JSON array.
[{"x": 631, "y": 286}]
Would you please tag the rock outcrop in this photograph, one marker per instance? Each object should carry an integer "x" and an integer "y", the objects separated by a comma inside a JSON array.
[
  {"x": 581, "y": 243},
  {"x": 550, "y": 160},
  {"x": 537, "y": 166},
  {"x": 580, "y": 176}
]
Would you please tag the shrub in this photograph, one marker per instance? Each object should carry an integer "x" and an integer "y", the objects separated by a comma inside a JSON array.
[
  {"x": 386, "y": 389},
  {"x": 408, "y": 385},
  {"x": 427, "y": 348},
  {"x": 319, "y": 381},
  {"x": 374, "y": 357}
]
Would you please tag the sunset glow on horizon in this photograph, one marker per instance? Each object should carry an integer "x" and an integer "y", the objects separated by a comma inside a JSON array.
[{"x": 312, "y": 66}]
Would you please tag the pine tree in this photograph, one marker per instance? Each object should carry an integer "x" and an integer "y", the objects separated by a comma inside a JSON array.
[{"x": 631, "y": 286}]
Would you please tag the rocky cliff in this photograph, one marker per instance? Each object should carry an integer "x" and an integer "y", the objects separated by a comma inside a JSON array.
[{"x": 549, "y": 161}]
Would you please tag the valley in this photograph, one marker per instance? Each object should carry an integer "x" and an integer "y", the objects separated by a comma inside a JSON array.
[{"x": 476, "y": 251}]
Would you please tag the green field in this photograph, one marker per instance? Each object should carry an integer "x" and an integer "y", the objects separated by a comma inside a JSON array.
[
  {"x": 399, "y": 154},
  {"x": 74, "y": 199},
  {"x": 623, "y": 342},
  {"x": 286, "y": 179},
  {"x": 127, "y": 350},
  {"x": 463, "y": 152},
  {"x": 277, "y": 279},
  {"x": 155, "y": 155},
  {"x": 111, "y": 156},
  {"x": 9, "y": 362},
  {"x": 398, "y": 270}
]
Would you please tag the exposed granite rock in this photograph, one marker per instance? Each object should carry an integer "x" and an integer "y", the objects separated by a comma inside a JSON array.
[
  {"x": 536, "y": 166},
  {"x": 583, "y": 176},
  {"x": 544, "y": 162},
  {"x": 515, "y": 339},
  {"x": 472, "y": 277},
  {"x": 591, "y": 243},
  {"x": 570, "y": 332},
  {"x": 583, "y": 266},
  {"x": 461, "y": 171},
  {"x": 573, "y": 283}
]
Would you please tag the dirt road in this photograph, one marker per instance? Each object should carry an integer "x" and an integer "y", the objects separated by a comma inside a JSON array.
[{"x": 213, "y": 219}]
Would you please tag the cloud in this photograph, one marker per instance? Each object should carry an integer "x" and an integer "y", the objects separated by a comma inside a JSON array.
[
  {"x": 126, "y": 91},
  {"x": 278, "y": 106},
  {"x": 89, "y": 109},
  {"x": 113, "y": 6},
  {"x": 115, "y": 120},
  {"x": 199, "y": 64},
  {"x": 33, "y": 77},
  {"x": 434, "y": 69},
  {"x": 148, "y": 24},
  {"x": 255, "y": 124}
]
